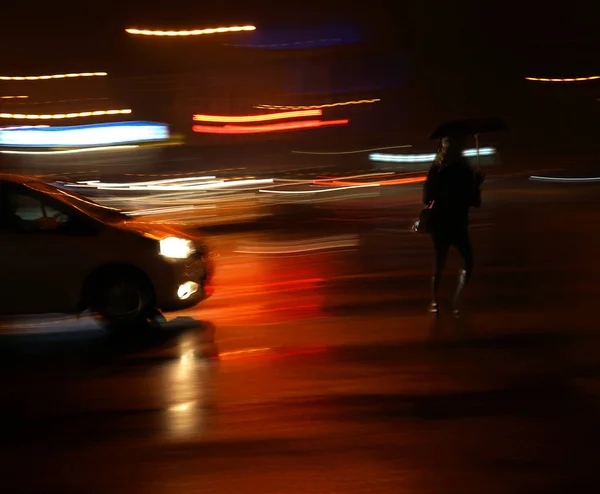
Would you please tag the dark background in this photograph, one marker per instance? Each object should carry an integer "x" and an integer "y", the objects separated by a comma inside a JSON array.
[{"x": 428, "y": 61}]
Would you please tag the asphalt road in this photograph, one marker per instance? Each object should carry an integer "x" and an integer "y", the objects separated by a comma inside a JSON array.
[{"x": 315, "y": 367}]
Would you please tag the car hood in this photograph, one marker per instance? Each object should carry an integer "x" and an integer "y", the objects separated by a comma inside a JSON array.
[{"x": 159, "y": 231}]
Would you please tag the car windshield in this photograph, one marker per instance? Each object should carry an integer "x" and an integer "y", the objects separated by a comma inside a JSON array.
[{"x": 103, "y": 213}]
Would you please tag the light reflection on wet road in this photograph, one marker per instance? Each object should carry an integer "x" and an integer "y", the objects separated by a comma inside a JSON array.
[{"x": 321, "y": 373}]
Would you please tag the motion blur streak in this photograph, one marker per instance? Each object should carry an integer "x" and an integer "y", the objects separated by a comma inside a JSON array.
[
  {"x": 240, "y": 129},
  {"x": 85, "y": 135},
  {"x": 149, "y": 186},
  {"x": 66, "y": 115},
  {"x": 257, "y": 118},
  {"x": 194, "y": 32},
  {"x": 54, "y": 102},
  {"x": 418, "y": 158},
  {"x": 172, "y": 209},
  {"x": 153, "y": 182},
  {"x": 55, "y": 76},
  {"x": 13, "y": 97},
  {"x": 312, "y": 107},
  {"x": 71, "y": 151},
  {"x": 352, "y": 152},
  {"x": 469, "y": 153},
  {"x": 314, "y": 191},
  {"x": 397, "y": 181},
  {"x": 402, "y": 158},
  {"x": 364, "y": 175},
  {"x": 324, "y": 243},
  {"x": 565, "y": 179},
  {"x": 296, "y": 44},
  {"x": 573, "y": 79},
  {"x": 266, "y": 353},
  {"x": 242, "y": 353},
  {"x": 21, "y": 127}
]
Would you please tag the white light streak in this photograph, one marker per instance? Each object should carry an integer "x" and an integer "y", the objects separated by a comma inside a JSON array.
[
  {"x": 72, "y": 151},
  {"x": 325, "y": 243},
  {"x": 315, "y": 191},
  {"x": 85, "y": 135},
  {"x": 424, "y": 158},
  {"x": 197, "y": 184},
  {"x": 353, "y": 152},
  {"x": 565, "y": 179}
]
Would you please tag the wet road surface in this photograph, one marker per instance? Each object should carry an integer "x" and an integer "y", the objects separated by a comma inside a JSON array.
[{"x": 315, "y": 368}]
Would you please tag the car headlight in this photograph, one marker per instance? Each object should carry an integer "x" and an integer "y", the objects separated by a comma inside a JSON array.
[{"x": 176, "y": 248}]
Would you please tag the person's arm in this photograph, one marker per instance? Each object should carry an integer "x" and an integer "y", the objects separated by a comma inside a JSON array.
[{"x": 430, "y": 185}]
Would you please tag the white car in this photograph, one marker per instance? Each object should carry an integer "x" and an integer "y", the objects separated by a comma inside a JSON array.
[{"x": 62, "y": 252}]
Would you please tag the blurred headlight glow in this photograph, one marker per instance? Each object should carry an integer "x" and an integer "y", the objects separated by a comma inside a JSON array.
[
  {"x": 176, "y": 248},
  {"x": 187, "y": 290}
]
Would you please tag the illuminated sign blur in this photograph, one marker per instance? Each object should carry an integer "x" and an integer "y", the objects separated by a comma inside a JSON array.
[
  {"x": 60, "y": 116},
  {"x": 257, "y": 129},
  {"x": 315, "y": 36},
  {"x": 572, "y": 79},
  {"x": 193, "y": 32},
  {"x": 296, "y": 45},
  {"x": 257, "y": 118},
  {"x": 85, "y": 135},
  {"x": 55, "y": 76},
  {"x": 313, "y": 107}
]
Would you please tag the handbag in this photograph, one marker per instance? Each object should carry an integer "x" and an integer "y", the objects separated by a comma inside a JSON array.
[{"x": 424, "y": 223}]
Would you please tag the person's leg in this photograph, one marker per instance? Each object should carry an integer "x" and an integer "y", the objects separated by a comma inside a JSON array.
[
  {"x": 441, "y": 245},
  {"x": 462, "y": 242}
]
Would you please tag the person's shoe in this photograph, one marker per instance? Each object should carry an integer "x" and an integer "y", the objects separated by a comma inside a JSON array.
[{"x": 434, "y": 308}]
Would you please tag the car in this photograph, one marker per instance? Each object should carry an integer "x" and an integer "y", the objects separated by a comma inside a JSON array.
[{"x": 64, "y": 253}]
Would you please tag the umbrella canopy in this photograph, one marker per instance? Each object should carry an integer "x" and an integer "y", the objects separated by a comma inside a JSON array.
[{"x": 471, "y": 126}]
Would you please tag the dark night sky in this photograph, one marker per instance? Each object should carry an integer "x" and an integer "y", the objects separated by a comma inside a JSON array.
[
  {"x": 71, "y": 34},
  {"x": 462, "y": 55}
]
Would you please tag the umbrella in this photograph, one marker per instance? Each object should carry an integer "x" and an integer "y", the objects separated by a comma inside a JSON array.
[{"x": 470, "y": 126}]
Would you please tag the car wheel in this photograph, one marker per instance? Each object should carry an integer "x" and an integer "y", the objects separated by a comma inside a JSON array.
[{"x": 124, "y": 302}]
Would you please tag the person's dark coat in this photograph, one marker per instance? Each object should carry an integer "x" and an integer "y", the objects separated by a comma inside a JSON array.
[{"x": 453, "y": 188}]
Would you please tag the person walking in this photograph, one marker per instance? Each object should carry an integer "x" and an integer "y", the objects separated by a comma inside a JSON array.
[{"x": 451, "y": 189}]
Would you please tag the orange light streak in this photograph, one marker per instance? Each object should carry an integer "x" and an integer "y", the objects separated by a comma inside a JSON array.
[
  {"x": 261, "y": 353},
  {"x": 54, "y": 76},
  {"x": 257, "y": 118},
  {"x": 311, "y": 107},
  {"x": 65, "y": 115},
  {"x": 573, "y": 79},
  {"x": 257, "y": 129},
  {"x": 397, "y": 181},
  {"x": 193, "y": 32}
]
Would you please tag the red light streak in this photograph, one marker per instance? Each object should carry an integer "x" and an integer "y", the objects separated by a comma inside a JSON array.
[
  {"x": 242, "y": 129},
  {"x": 258, "y": 118}
]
